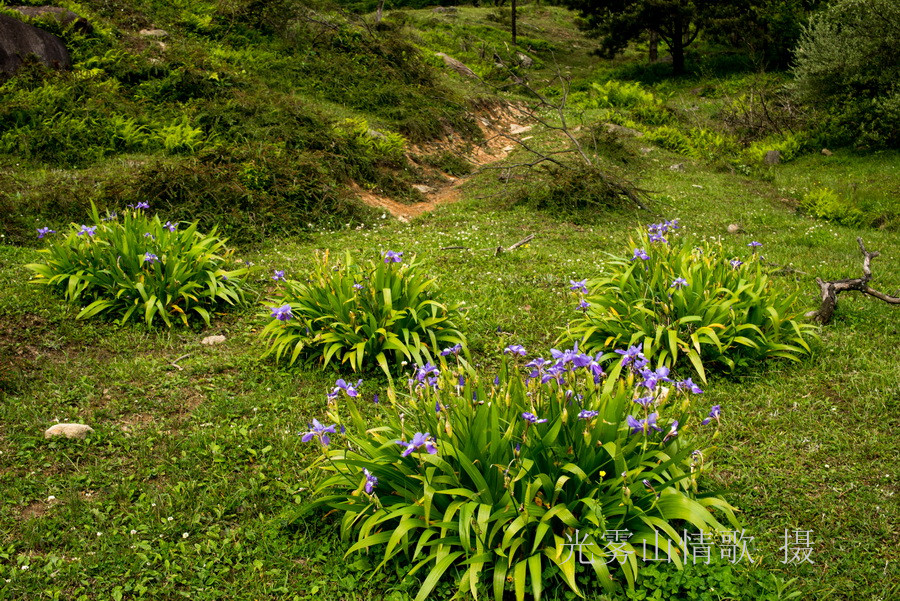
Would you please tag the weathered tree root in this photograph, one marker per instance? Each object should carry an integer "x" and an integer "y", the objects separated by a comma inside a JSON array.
[{"x": 830, "y": 290}]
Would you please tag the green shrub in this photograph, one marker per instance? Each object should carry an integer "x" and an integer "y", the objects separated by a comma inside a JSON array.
[
  {"x": 671, "y": 138},
  {"x": 374, "y": 145},
  {"x": 140, "y": 268},
  {"x": 689, "y": 300},
  {"x": 825, "y": 203},
  {"x": 789, "y": 145},
  {"x": 845, "y": 66},
  {"x": 378, "y": 313},
  {"x": 619, "y": 94},
  {"x": 499, "y": 486}
]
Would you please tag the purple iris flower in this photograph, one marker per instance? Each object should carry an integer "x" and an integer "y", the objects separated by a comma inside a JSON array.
[
  {"x": 658, "y": 238},
  {"x": 90, "y": 231},
  {"x": 643, "y": 425},
  {"x": 653, "y": 378},
  {"x": 673, "y": 431},
  {"x": 393, "y": 257},
  {"x": 437, "y": 407},
  {"x": 149, "y": 235},
  {"x": 279, "y": 275},
  {"x": 633, "y": 356},
  {"x": 515, "y": 349},
  {"x": 43, "y": 231},
  {"x": 150, "y": 258},
  {"x": 735, "y": 263},
  {"x": 679, "y": 283},
  {"x": 645, "y": 401},
  {"x": 713, "y": 415},
  {"x": 531, "y": 418},
  {"x": 371, "y": 481},
  {"x": 583, "y": 306},
  {"x": 453, "y": 350},
  {"x": 496, "y": 380},
  {"x": 142, "y": 205},
  {"x": 754, "y": 244},
  {"x": 585, "y": 414},
  {"x": 111, "y": 216},
  {"x": 579, "y": 286},
  {"x": 419, "y": 440},
  {"x": 358, "y": 286},
  {"x": 170, "y": 226},
  {"x": 582, "y": 360},
  {"x": 282, "y": 313},
  {"x": 375, "y": 398},
  {"x": 319, "y": 431},
  {"x": 640, "y": 254},
  {"x": 689, "y": 386},
  {"x": 350, "y": 389}
]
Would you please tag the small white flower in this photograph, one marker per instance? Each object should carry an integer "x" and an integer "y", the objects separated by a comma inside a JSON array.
[
  {"x": 133, "y": 532},
  {"x": 170, "y": 518},
  {"x": 51, "y": 498},
  {"x": 184, "y": 535},
  {"x": 24, "y": 568},
  {"x": 99, "y": 534}
]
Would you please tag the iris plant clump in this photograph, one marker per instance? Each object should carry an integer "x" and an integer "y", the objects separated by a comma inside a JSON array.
[
  {"x": 382, "y": 312},
  {"x": 136, "y": 267},
  {"x": 683, "y": 301},
  {"x": 483, "y": 480}
]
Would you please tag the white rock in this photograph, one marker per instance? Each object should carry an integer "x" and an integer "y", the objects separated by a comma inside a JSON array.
[
  {"x": 68, "y": 430},
  {"x": 153, "y": 33},
  {"x": 516, "y": 129},
  {"x": 424, "y": 189},
  {"x": 213, "y": 340},
  {"x": 733, "y": 228}
]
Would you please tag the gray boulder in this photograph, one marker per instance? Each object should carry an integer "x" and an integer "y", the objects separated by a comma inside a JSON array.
[
  {"x": 19, "y": 40},
  {"x": 68, "y": 430},
  {"x": 65, "y": 17},
  {"x": 773, "y": 157},
  {"x": 457, "y": 66}
]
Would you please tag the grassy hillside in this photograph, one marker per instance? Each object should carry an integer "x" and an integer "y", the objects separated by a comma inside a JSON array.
[{"x": 239, "y": 118}]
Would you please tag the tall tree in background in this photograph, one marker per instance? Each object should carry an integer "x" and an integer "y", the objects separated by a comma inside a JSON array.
[{"x": 618, "y": 22}]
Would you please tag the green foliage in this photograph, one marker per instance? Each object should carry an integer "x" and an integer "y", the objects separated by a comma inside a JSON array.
[
  {"x": 725, "y": 314},
  {"x": 181, "y": 137},
  {"x": 618, "y": 94},
  {"x": 698, "y": 142},
  {"x": 825, "y": 203},
  {"x": 500, "y": 501},
  {"x": 789, "y": 145},
  {"x": 140, "y": 268},
  {"x": 371, "y": 144},
  {"x": 449, "y": 162},
  {"x": 378, "y": 313},
  {"x": 846, "y": 67},
  {"x": 711, "y": 581}
]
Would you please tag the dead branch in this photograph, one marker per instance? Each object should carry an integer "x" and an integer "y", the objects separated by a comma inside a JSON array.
[
  {"x": 498, "y": 250},
  {"x": 830, "y": 290}
]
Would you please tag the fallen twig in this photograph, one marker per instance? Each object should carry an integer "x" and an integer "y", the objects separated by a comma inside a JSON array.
[
  {"x": 175, "y": 362},
  {"x": 830, "y": 290}
]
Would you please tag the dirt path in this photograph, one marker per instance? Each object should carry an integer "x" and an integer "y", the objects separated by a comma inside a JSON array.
[{"x": 495, "y": 148}]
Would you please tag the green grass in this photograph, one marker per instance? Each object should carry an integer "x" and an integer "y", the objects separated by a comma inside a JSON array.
[{"x": 207, "y": 436}]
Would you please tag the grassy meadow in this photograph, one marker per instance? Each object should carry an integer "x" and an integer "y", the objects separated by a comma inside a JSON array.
[{"x": 196, "y": 458}]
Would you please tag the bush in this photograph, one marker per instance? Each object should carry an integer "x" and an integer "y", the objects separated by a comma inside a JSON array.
[
  {"x": 361, "y": 315},
  {"x": 499, "y": 484},
  {"x": 825, "y": 203},
  {"x": 846, "y": 64},
  {"x": 139, "y": 267},
  {"x": 698, "y": 142},
  {"x": 683, "y": 300}
]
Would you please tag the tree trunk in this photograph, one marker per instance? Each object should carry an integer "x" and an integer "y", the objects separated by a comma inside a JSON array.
[
  {"x": 513, "y": 6},
  {"x": 654, "y": 46},
  {"x": 677, "y": 48},
  {"x": 378, "y": 12}
]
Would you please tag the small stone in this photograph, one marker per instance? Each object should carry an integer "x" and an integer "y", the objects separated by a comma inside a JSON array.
[
  {"x": 621, "y": 130},
  {"x": 213, "y": 340},
  {"x": 424, "y": 189},
  {"x": 516, "y": 129},
  {"x": 734, "y": 228},
  {"x": 153, "y": 33},
  {"x": 677, "y": 167},
  {"x": 827, "y": 152},
  {"x": 773, "y": 157},
  {"x": 68, "y": 430},
  {"x": 525, "y": 60}
]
